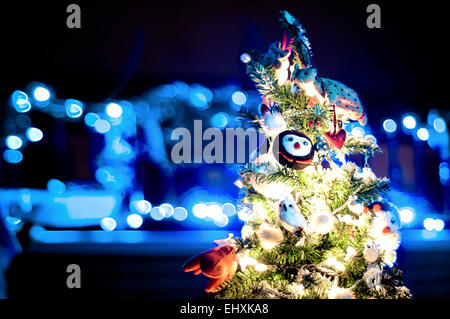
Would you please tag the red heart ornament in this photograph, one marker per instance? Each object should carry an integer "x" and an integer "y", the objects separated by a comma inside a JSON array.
[{"x": 336, "y": 139}]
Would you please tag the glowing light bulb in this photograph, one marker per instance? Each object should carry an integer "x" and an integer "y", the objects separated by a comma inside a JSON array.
[
  {"x": 180, "y": 213},
  {"x": 409, "y": 122},
  {"x": 389, "y": 126},
  {"x": 114, "y": 110},
  {"x": 134, "y": 221},
  {"x": 108, "y": 224},
  {"x": 13, "y": 142},
  {"x": 34, "y": 134},
  {"x": 239, "y": 98},
  {"x": 406, "y": 215},
  {"x": 41, "y": 94}
]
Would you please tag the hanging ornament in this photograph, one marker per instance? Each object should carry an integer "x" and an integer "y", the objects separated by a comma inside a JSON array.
[
  {"x": 219, "y": 264},
  {"x": 386, "y": 221},
  {"x": 336, "y": 138},
  {"x": 272, "y": 121},
  {"x": 331, "y": 92},
  {"x": 293, "y": 149},
  {"x": 321, "y": 145},
  {"x": 278, "y": 55},
  {"x": 290, "y": 217},
  {"x": 372, "y": 276}
]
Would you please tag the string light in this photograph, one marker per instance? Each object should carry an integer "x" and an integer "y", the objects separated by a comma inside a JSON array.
[
  {"x": 134, "y": 221},
  {"x": 34, "y": 134},
  {"x": 74, "y": 108},
  {"x": 114, "y": 110},
  {"x": 180, "y": 213},
  {"x": 13, "y": 142},
  {"x": 108, "y": 224}
]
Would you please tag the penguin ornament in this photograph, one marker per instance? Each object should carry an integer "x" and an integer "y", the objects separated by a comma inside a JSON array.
[{"x": 293, "y": 149}]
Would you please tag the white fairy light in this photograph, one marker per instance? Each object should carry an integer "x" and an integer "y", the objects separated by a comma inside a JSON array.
[
  {"x": 260, "y": 268},
  {"x": 298, "y": 289},
  {"x": 334, "y": 263},
  {"x": 340, "y": 293},
  {"x": 246, "y": 260},
  {"x": 322, "y": 221},
  {"x": 246, "y": 232},
  {"x": 269, "y": 236},
  {"x": 350, "y": 253}
]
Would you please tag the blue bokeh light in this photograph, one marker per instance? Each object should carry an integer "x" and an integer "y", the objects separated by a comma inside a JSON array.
[
  {"x": 13, "y": 142},
  {"x": 102, "y": 126},
  {"x": 34, "y": 134},
  {"x": 41, "y": 95},
  {"x": 74, "y": 108},
  {"x": 390, "y": 126},
  {"x": 220, "y": 120},
  {"x": 90, "y": 119},
  {"x": 180, "y": 213},
  {"x": 114, "y": 110},
  {"x": 20, "y": 101},
  {"x": 12, "y": 156},
  {"x": 56, "y": 187},
  {"x": 108, "y": 224},
  {"x": 409, "y": 122},
  {"x": 439, "y": 125},
  {"x": 135, "y": 220},
  {"x": 239, "y": 98},
  {"x": 423, "y": 134}
]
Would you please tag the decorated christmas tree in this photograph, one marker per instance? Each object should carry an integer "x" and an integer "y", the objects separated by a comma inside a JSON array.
[{"x": 317, "y": 224}]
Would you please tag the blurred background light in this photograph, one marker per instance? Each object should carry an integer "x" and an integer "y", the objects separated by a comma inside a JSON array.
[
  {"x": 41, "y": 95},
  {"x": 91, "y": 118},
  {"x": 13, "y": 142},
  {"x": 134, "y": 220},
  {"x": 34, "y": 134},
  {"x": 12, "y": 156},
  {"x": 56, "y": 187},
  {"x": 409, "y": 122},
  {"x": 390, "y": 126},
  {"x": 407, "y": 215},
  {"x": 20, "y": 101},
  {"x": 444, "y": 173},
  {"x": 220, "y": 120},
  {"x": 228, "y": 209},
  {"x": 428, "y": 223},
  {"x": 114, "y": 110},
  {"x": 180, "y": 213},
  {"x": 200, "y": 210},
  {"x": 239, "y": 98},
  {"x": 439, "y": 125},
  {"x": 167, "y": 210},
  {"x": 108, "y": 224},
  {"x": 245, "y": 57},
  {"x": 74, "y": 108},
  {"x": 143, "y": 206},
  {"x": 439, "y": 224},
  {"x": 157, "y": 214},
  {"x": 102, "y": 126},
  {"x": 423, "y": 134},
  {"x": 358, "y": 132}
]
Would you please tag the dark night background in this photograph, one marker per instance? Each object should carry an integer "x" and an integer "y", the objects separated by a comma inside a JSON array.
[{"x": 123, "y": 48}]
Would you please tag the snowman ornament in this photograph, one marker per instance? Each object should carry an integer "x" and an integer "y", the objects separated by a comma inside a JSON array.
[
  {"x": 291, "y": 219},
  {"x": 293, "y": 149}
]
